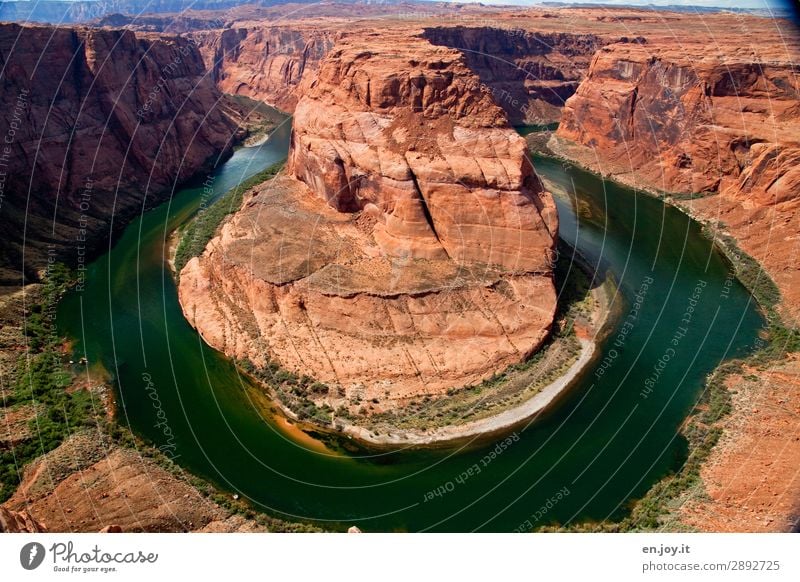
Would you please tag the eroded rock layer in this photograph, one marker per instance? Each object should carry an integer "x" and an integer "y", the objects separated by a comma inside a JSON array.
[
  {"x": 529, "y": 73},
  {"x": 723, "y": 126},
  {"x": 407, "y": 251},
  {"x": 96, "y": 123},
  {"x": 264, "y": 62}
]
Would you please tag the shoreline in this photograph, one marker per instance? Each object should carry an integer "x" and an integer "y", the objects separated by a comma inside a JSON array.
[
  {"x": 479, "y": 430},
  {"x": 505, "y": 421},
  {"x": 499, "y": 423},
  {"x": 724, "y": 495},
  {"x": 502, "y": 422},
  {"x": 558, "y": 148}
]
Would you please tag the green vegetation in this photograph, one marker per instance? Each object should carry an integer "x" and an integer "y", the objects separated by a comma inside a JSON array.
[
  {"x": 202, "y": 229},
  {"x": 259, "y": 118},
  {"x": 702, "y": 433},
  {"x": 506, "y": 389},
  {"x": 703, "y": 428},
  {"x": 292, "y": 391},
  {"x": 42, "y": 379},
  {"x": 747, "y": 270},
  {"x": 548, "y": 128}
]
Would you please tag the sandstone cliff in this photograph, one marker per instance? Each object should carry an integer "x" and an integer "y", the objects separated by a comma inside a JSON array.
[
  {"x": 262, "y": 62},
  {"x": 87, "y": 484},
  {"x": 722, "y": 126},
  {"x": 96, "y": 123},
  {"x": 18, "y": 522},
  {"x": 530, "y": 73},
  {"x": 409, "y": 250}
]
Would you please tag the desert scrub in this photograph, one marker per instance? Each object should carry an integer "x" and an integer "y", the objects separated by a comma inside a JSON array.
[
  {"x": 204, "y": 226},
  {"x": 703, "y": 429},
  {"x": 41, "y": 379},
  {"x": 293, "y": 391},
  {"x": 747, "y": 270}
]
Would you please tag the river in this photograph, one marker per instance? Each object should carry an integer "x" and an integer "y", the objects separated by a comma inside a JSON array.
[{"x": 614, "y": 435}]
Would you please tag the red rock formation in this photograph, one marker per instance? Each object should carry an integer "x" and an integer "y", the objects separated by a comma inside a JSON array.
[
  {"x": 682, "y": 122},
  {"x": 18, "y": 522},
  {"x": 97, "y": 122},
  {"x": 265, "y": 63},
  {"x": 530, "y": 73},
  {"x": 87, "y": 485},
  {"x": 726, "y": 125},
  {"x": 414, "y": 253},
  {"x": 408, "y": 129}
]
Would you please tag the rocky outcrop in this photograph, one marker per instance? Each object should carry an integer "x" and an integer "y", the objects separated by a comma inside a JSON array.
[
  {"x": 18, "y": 522},
  {"x": 408, "y": 133},
  {"x": 760, "y": 433},
  {"x": 529, "y": 73},
  {"x": 96, "y": 124},
  {"x": 724, "y": 128},
  {"x": 89, "y": 485},
  {"x": 407, "y": 252},
  {"x": 685, "y": 123},
  {"x": 262, "y": 62}
]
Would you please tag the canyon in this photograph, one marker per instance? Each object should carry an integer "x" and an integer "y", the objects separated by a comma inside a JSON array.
[
  {"x": 408, "y": 249},
  {"x": 719, "y": 131},
  {"x": 401, "y": 139},
  {"x": 100, "y": 124},
  {"x": 708, "y": 119}
]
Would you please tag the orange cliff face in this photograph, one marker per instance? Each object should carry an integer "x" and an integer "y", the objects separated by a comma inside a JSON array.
[
  {"x": 406, "y": 131},
  {"x": 407, "y": 251},
  {"x": 97, "y": 121},
  {"x": 530, "y": 72},
  {"x": 722, "y": 125},
  {"x": 263, "y": 62}
]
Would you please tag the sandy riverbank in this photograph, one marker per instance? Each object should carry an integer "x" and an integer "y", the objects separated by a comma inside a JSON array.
[
  {"x": 541, "y": 402},
  {"x": 508, "y": 419}
]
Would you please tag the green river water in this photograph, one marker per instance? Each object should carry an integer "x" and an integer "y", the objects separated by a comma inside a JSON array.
[{"x": 605, "y": 444}]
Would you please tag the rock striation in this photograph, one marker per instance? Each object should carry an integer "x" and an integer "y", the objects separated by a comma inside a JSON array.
[
  {"x": 723, "y": 127},
  {"x": 530, "y": 73},
  {"x": 406, "y": 251},
  {"x": 685, "y": 123},
  {"x": 264, "y": 62},
  {"x": 96, "y": 123}
]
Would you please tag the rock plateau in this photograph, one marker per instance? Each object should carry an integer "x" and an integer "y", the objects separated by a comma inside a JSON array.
[{"x": 408, "y": 248}]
